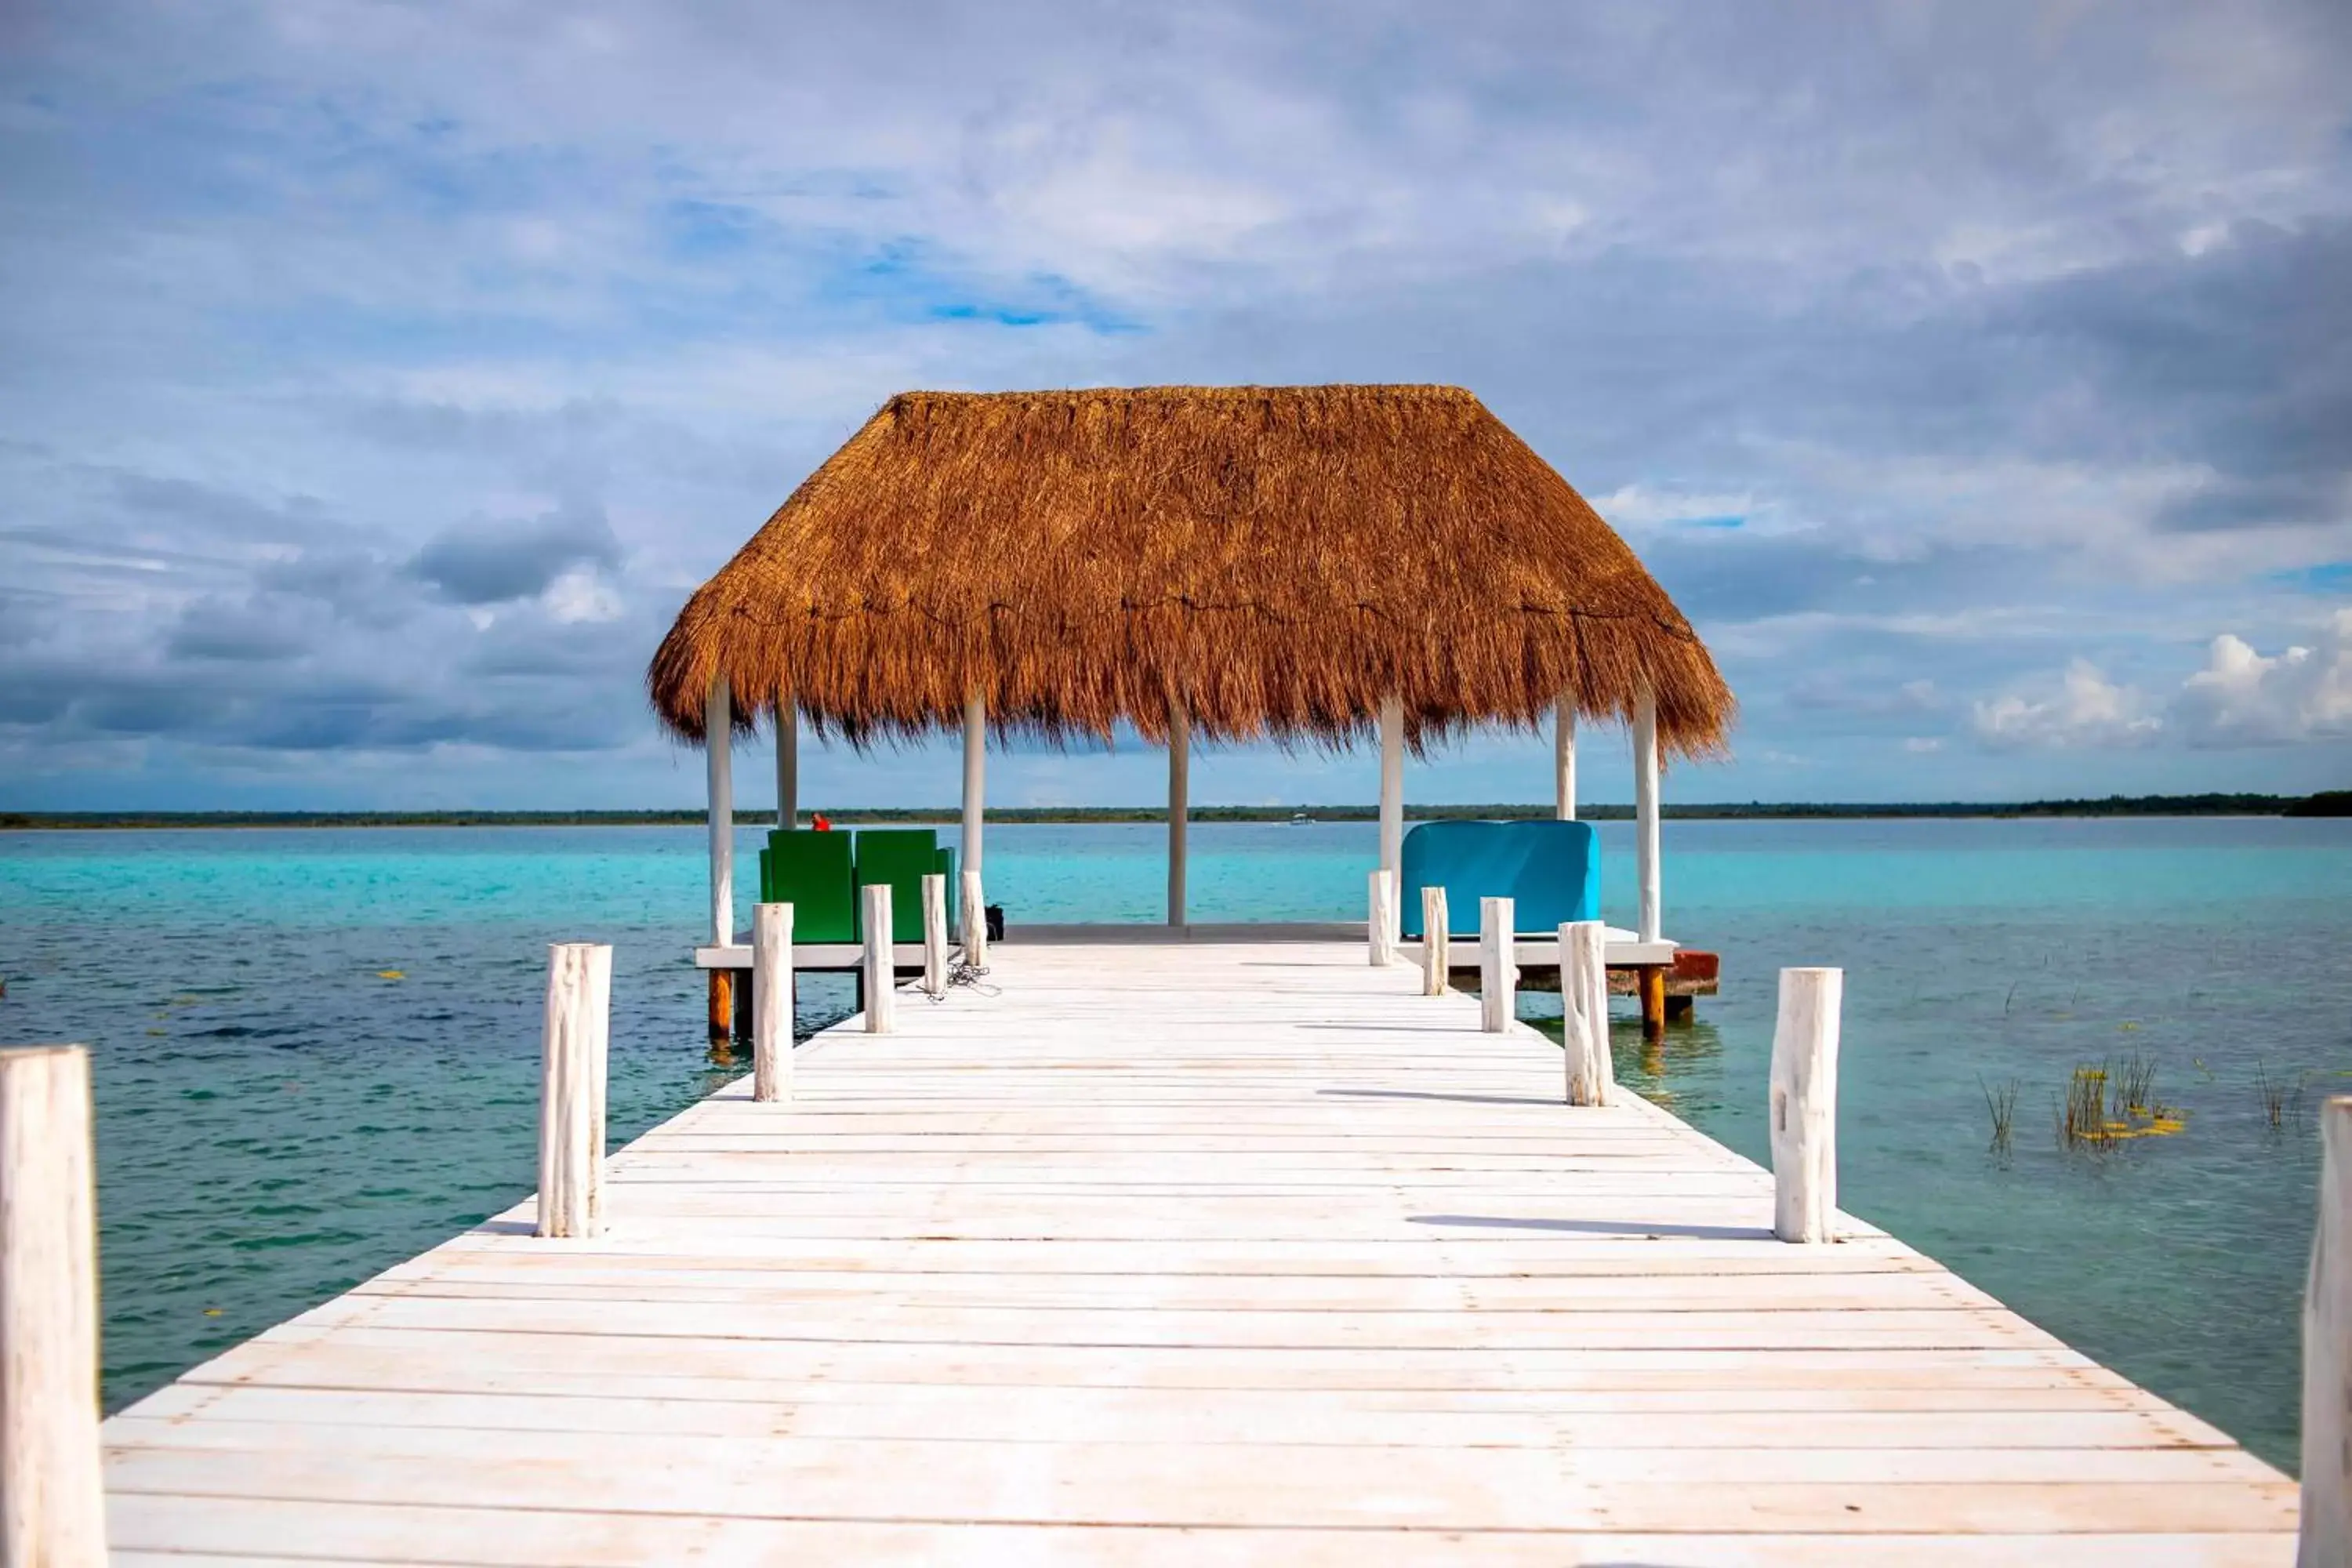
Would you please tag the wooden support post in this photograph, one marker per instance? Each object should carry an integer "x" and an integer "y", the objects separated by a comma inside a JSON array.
[
  {"x": 935, "y": 935},
  {"x": 1649, "y": 911},
  {"x": 1651, "y": 981},
  {"x": 1179, "y": 774},
  {"x": 788, "y": 759},
  {"x": 52, "y": 1501},
  {"x": 1383, "y": 924},
  {"x": 717, "y": 736},
  {"x": 1392, "y": 783},
  {"x": 1563, "y": 758},
  {"x": 1436, "y": 943},
  {"x": 881, "y": 977},
  {"x": 722, "y": 1004},
  {"x": 1499, "y": 968},
  {"x": 1584, "y": 1001},
  {"x": 975, "y": 777},
  {"x": 772, "y": 1001},
  {"x": 1803, "y": 1106},
  {"x": 2327, "y": 1529},
  {"x": 975, "y": 923},
  {"x": 571, "y": 1089}
]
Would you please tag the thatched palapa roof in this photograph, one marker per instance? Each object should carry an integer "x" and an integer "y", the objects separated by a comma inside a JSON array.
[{"x": 1276, "y": 560}]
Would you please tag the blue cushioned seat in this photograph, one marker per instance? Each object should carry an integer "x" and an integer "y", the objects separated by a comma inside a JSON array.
[{"x": 1551, "y": 869}]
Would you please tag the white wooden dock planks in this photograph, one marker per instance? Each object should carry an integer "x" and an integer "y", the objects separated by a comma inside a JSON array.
[{"x": 1176, "y": 1254}]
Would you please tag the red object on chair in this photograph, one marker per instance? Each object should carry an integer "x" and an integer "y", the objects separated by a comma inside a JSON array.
[{"x": 823, "y": 825}]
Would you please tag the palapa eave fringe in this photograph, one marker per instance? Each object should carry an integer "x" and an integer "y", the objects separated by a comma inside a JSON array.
[{"x": 1274, "y": 559}]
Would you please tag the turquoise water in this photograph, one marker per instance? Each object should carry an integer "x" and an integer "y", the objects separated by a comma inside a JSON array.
[{"x": 279, "y": 1118}]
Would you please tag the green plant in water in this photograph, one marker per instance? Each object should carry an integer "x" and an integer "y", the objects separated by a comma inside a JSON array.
[
  {"x": 2282, "y": 1101},
  {"x": 2002, "y": 1103},
  {"x": 2105, "y": 1105}
]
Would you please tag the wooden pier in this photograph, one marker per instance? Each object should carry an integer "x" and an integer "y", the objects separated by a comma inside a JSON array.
[{"x": 1176, "y": 1253}]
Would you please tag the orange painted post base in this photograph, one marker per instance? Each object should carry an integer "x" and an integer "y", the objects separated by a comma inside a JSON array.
[
  {"x": 722, "y": 1004},
  {"x": 1653, "y": 998}
]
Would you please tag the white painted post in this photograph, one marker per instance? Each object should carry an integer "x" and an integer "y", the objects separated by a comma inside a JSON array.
[
  {"x": 1180, "y": 768},
  {"x": 2327, "y": 1531},
  {"x": 52, "y": 1501},
  {"x": 1436, "y": 943},
  {"x": 1803, "y": 1106},
  {"x": 1383, "y": 923},
  {"x": 717, "y": 737},
  {"x": 1392, "y": 783},
  {"x": 1563, "y": 758},
  {"x": 1645, "y": 813},
  {"x": 1499, "y": 968},
  {"x": 881, "y": 978},
  {"x": 571, "y": 1089},
  {"x": 975, "y": 921},
  {"x": 772, "y": 1001},
  {"x": 788, "y": 761},
  {"x": 975, "y": 768},
  {"x": 1584, "y": 998},
  {"x": 935, "y": 935}
]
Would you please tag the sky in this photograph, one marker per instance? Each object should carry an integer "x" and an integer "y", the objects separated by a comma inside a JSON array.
[{"x": 377, "y": 380}]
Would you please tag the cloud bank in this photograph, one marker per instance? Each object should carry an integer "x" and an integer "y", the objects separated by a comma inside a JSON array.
[{"x": 377, "y": 382}]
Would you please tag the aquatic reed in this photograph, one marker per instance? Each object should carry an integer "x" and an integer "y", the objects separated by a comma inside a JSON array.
[
  {"x": 2002, "y": 1103},
  {"x": 2082, "y": 1116},
  {"x": 2282, "y": 1101},
  {"x": 2107, "y": 1104}
]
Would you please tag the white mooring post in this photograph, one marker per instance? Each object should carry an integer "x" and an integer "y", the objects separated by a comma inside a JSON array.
[
  {"x": 1436, "y": 942},
  {"x": 935, "y": 935},
  {"x": 1383, "y": 926},
  {"x": 1804, "y": 1108},
  {"x": 975, "y": 922},
  {"x": 571, "y": 1089},
  {"x": 52, "y": 1501},
  {"x": 881, "y": 977},
  {"x": 2327, "y": 1537},
  {"x": 1499, "y": 968},
  {"x": 772, "y": 1001},
  {"x": 1584, "y": 1004}
]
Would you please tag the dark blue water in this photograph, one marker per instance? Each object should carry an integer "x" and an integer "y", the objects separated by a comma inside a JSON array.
[{"x": 316, "y": 1051}]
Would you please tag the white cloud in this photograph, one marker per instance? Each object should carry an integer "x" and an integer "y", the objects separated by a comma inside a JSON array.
[
  {"x": 581, "y": 595},
  {"x": 1923, "y": 745},
  {"x": 2087, "y": 710},
  {"x": 2244, "y": 698}
]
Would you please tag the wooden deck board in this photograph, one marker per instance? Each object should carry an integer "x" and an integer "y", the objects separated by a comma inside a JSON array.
[{"x": 1177, "y": 1252}]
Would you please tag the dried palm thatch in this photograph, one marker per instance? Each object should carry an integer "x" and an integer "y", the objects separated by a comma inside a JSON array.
[{"x": 1275, "y": 560}]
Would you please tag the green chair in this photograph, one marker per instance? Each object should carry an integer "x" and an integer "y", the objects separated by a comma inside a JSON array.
[
  {"x": 811, "y": 872},
  {"x": 902, "y": 857}
]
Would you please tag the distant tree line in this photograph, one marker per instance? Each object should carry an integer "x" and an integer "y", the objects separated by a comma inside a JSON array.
[{"x": 2329, "y": 803}]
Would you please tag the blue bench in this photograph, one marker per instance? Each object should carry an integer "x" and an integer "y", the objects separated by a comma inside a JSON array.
[{"x": 1551, "y": 869}]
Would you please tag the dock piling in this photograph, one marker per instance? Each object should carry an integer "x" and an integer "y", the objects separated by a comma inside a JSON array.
[
  {"x": 1383, "y": 928},
  {"x": 975, "y": 922},
  {"x": 1584, "y": 1003},
  {"x": 935, "y": 936},
  {"x": 1499, "y": 968},
  {"x": 772, "y": 1001},
  {"x": 571, "y": 1090},
  {"x": 1436, "y": 942},
  {"x": 2326, "y": 1528},
  {"x": 52, "y": 1502},
  {"x": 880, "y": 976},
  {"x": 1803, "y": 1106}
]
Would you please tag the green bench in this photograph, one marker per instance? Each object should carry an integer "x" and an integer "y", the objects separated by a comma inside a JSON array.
[{"x": 819, "y": 874}]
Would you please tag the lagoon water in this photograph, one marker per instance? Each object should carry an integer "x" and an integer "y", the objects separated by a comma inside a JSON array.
[{"x": 317, "y": 1050}]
